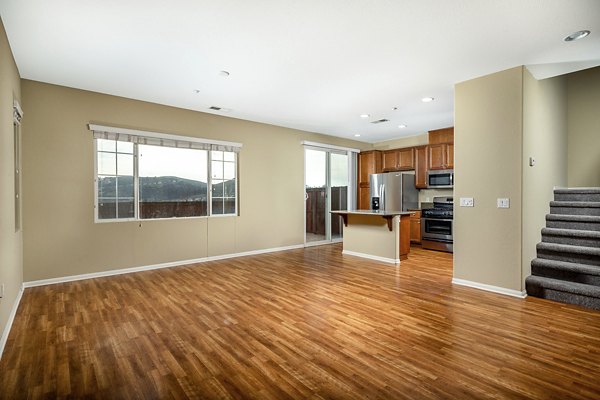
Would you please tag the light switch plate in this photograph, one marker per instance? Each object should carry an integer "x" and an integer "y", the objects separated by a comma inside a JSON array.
[
  {"x": 466, "y": 202},
  {"x": 503, "y": 203}
]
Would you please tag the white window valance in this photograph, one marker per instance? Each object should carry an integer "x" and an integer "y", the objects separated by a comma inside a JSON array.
[
  {"x": 161, "y": 139},
  {"x": 17, "y": 112}
]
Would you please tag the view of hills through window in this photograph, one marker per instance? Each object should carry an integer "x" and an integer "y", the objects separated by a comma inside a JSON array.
[
  {"x": 165, "y": 196},
  {"x": 172, "y": 182}
]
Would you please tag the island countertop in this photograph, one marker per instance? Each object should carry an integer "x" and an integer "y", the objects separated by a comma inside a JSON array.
[{"x": 385, "y": 214}]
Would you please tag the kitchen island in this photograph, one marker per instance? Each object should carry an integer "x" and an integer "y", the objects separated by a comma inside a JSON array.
[{"x": 377, "y": 235}]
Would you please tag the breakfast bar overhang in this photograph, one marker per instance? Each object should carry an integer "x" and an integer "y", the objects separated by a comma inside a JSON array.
[{"x": 377, "y": 235}]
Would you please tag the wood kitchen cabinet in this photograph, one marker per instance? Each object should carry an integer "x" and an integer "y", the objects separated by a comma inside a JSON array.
[
  {"x": 450, "y": 156},
  {"x": 421, "y": 167},
  {"x": 399, "y": 159},
  {"x": 364, "y": 197},
  {"x": 415, "y": 226},
  {"x": 441, "y": 156},
  {"x": 445, "y": 135},
  {"x": 369, "y": 162},
  {"x": 389, "y": 160}
]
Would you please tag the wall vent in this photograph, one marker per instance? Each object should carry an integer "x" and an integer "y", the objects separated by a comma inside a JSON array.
[{"x": 379, "y": 121}]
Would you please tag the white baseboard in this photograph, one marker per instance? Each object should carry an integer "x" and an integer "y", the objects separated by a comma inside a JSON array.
[
  {"x": 490, "y": 288},
  {"x": 112, "y": 272},
  {"x": 372, "y": 257},
  {"x": 323, "y": 242},
  {"x": 11, "y": 318}
]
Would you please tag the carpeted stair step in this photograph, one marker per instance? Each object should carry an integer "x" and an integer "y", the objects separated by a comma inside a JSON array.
[
  {"x": 568, "y": 253},
  {"x": 563, "y": 291},
  {"x": 575, "y": 207},
  {"x": 566, "y": 271},
  {"x": 573, "y": 237},
  {"x": 580, "y": 222},
  {"x": 577, "y": 194}
]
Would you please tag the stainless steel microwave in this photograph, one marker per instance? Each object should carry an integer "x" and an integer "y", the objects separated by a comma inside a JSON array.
[{"x": 440, "y": 179}]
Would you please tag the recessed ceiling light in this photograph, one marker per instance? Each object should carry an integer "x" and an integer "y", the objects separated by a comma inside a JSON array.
[
  {"x": 365, "y": 115},
  {"x": 402, "y": 126},
  {"x": 427, "y": 99},
  {"x": 576, "y": 36},
  {"x": 394, "y": 108},
  {"x": 224, "y": 74},
  {"x": 357, "y": 135},
  {"x": 196, "y": 90}
]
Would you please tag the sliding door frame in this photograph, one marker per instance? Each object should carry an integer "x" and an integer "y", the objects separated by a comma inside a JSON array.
[{"x": 351, "y": 186}]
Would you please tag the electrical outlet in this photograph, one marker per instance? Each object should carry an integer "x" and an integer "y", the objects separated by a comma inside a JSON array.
[
  {"x": 503, "y": 203},
  {"x": 466, "y": 202}
]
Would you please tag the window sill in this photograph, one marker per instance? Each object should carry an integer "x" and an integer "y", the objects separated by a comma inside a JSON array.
[{"x": 104, "y": 221}]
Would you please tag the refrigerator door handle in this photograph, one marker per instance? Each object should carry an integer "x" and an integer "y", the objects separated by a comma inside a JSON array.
[{"x": 382, "y": 199}]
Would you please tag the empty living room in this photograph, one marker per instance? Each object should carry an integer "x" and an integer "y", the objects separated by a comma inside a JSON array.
[{"x": 300, "y": 200}]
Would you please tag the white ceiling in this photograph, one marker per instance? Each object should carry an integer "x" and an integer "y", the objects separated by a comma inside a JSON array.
[{"x": 314, "y": 65}]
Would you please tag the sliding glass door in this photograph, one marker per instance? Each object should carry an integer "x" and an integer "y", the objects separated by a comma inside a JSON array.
[
  {"x": 338, "y": 190},
  {"x": 326, "y": 178}
]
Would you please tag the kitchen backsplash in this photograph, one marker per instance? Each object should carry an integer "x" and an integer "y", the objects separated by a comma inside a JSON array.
[{"x": 427, "y": 195}]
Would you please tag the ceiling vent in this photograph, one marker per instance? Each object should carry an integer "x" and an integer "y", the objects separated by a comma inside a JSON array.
[
  {"x": 215, "y": 108},
  {"x": 379, "y": 121}
]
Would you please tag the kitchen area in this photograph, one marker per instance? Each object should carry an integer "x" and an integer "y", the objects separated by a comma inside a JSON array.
[{"x": 426, "y": 177}]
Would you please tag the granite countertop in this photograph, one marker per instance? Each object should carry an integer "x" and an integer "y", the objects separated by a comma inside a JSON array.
[{"x": 381, "y": 213}]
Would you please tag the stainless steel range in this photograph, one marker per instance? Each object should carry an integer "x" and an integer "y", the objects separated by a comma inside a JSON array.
[{"x": 436, "y": 225}]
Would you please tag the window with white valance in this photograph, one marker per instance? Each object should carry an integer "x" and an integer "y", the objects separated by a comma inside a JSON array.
[{"x": 148, "y": 175}]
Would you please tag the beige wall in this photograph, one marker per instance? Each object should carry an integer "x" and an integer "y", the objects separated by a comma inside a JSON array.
[
  {"x": 488, "y": 165},
  {"x": 61, "y": 238},
  {"x": 545, "y": 139},
  {"x": 583, "y": 96},
  {"x": 11, "y": 264}
]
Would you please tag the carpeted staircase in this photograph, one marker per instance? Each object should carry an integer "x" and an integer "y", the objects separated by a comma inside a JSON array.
[{"x": 567, "y": 267}]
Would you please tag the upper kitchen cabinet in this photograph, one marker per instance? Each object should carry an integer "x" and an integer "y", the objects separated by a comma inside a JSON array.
[
  {"x": 441, "y": 149},
  {"x": 369, "y": 162},
  {"x": 445, "y": 135},
  {"x": 421, "y": 167},
  {"x": 450, "y": 156},
  {"x": 441, "y": 156},
  {"x": 399, "y": 159}
]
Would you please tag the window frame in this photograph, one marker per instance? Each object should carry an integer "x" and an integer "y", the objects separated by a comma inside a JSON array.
[
  {"x": 209, "y": 187},
  {"x": 136, "y": 179}
]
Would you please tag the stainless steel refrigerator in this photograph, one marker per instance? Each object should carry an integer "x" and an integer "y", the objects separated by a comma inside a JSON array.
[{"x": 394, "y": 191}]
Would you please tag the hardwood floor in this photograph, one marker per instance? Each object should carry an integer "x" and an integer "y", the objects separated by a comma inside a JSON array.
[{"x": 306, "y": 323}]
